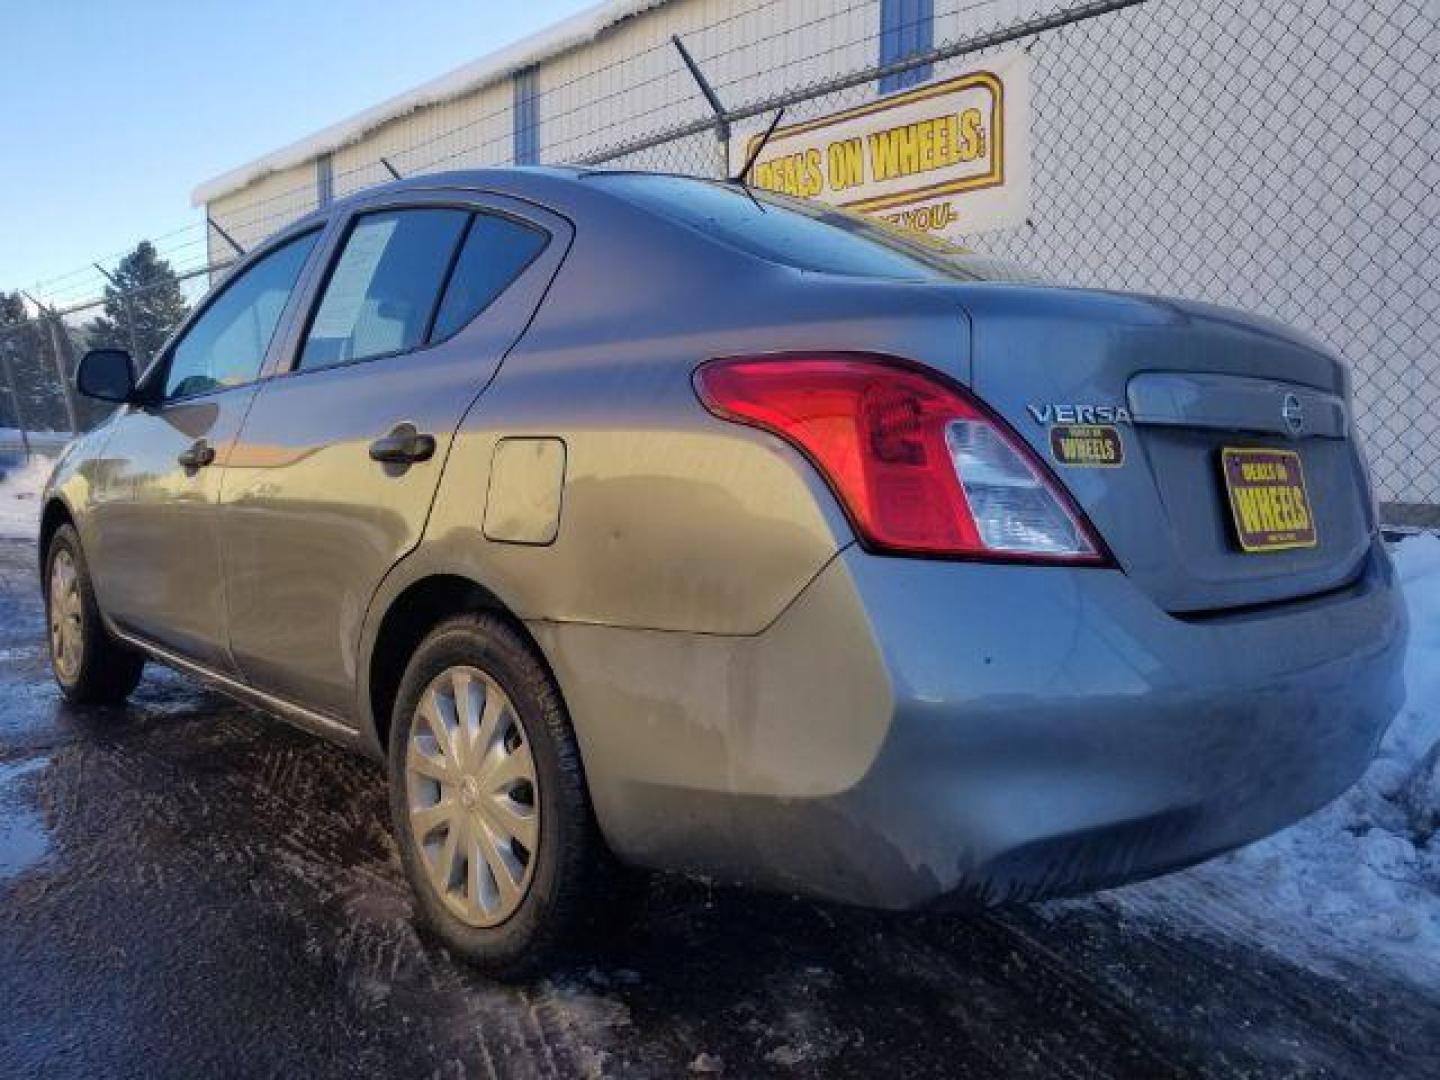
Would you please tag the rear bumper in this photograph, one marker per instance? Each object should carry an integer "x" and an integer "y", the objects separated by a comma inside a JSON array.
[
  {"x": 914, "y": 733},
  {"x": 1077, "y": 737}
]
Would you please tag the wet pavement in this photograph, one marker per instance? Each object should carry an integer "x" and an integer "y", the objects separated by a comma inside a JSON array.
[{"x": 189, "y": 888}]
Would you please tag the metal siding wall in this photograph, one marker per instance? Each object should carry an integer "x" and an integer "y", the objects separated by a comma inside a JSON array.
[
  {"x": 470, "y": 131},
  {"x": 630, "y": 80},
  {"x": 626, "y": 82},
  {"x": 253, "y": 213}
]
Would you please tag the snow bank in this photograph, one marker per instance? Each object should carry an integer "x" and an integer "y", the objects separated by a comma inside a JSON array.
[
  {"x": 20, "y": 498},
  {"x": 1414, "y": 745},
  {"x": 1358, "y": 883}
]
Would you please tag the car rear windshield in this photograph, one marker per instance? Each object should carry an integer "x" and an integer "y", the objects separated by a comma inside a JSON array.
[{"x": 803, "y": 234}]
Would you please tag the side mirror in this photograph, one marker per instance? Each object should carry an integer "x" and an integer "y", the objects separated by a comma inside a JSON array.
[{"x": 107, "y": 375}]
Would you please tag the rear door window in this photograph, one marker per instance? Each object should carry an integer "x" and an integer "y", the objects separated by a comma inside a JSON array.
[
  {"x": 496, "y": 252},
  {"x": 382, "y": 291}
]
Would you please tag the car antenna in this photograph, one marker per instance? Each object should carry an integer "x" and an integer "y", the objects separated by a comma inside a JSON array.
[{"x": 755, "y": 151}]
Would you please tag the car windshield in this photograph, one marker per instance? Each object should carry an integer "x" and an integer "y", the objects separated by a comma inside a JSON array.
[{"x": 804, "y": 234}]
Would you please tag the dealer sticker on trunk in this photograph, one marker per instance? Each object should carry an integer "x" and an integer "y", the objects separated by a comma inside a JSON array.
[
  {"x": 1268, "y": 499},
  {"x": 1095, "y": 446}
]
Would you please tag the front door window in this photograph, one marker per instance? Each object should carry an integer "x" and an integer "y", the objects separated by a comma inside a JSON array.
[{"x": 226, "y": 345}]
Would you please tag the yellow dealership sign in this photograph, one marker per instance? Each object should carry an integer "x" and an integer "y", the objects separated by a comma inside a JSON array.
[{"x": 948, "y": 158}]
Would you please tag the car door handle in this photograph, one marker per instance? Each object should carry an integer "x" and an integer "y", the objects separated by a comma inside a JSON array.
[
  {"x": 403, "y": 446},
  {"x": 200, "y": 454}
]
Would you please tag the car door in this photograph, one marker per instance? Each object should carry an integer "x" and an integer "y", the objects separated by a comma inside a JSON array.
[
  {"x": 154, "y": 550},
  {"x": 331, "y": 479}
]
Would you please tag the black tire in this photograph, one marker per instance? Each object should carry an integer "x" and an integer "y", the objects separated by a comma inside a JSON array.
[
  {"x": 574, "y": 873},
  {"x": 107, "y": 671}
]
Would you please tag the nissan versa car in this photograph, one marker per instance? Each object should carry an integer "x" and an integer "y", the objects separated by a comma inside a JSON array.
[{"x": 639, "y": 521}]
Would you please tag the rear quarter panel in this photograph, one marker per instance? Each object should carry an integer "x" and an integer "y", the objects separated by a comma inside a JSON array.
[{"x": 671, "y": 519}]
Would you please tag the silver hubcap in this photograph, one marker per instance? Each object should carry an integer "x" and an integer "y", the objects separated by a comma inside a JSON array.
[
  {"x": 66, "y": 616},
  {"x": 473, "y": 796}
]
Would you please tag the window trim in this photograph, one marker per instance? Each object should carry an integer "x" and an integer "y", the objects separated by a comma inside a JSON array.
[
  {"x": 445, "y": 278},
  {"x": 293, "y": 367},
  {"x": 152, "y": 382}
]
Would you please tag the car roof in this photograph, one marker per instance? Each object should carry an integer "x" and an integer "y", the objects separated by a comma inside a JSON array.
[{"x": 554, "y": 186}]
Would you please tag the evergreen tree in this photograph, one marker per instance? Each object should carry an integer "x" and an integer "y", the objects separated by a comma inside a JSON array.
[
  {"x": 154, "y": 301},
  {"x": 23, "y": 342}
]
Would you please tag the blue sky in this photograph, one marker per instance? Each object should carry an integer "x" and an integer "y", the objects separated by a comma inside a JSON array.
[{"x": 114, "y": 111}]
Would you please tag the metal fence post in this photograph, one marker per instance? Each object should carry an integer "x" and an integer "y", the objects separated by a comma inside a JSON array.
[
  {"x": 51, "y": 318},
  {"x": 722, "y": 120},
  {"x": 57, "y": 352},
  {"x": 57, "y": 334},
  {"x": 15, "y": 404}
]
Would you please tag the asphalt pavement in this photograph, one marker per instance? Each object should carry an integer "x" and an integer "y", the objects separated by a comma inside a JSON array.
[{"x": 189, "y": 888}]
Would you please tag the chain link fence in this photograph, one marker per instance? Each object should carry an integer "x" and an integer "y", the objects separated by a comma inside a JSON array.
[
  {"x": 1279, "y": 157},
  {"x": 41, "y": 345}
]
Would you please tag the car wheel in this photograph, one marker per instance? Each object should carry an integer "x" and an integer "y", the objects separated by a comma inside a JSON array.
[
  {"x": 91, "y": 667},
  {"x": 489, "y": 801}
]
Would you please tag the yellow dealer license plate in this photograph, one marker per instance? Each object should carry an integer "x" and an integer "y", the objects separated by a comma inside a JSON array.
[{"x": 1268, "y": 499}]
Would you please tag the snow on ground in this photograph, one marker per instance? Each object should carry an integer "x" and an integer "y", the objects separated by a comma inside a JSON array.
[
  {"x": 1358, "y": 884},
  {"x": 20, "y": 497}
]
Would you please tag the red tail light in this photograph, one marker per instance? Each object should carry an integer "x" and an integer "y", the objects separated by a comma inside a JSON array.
[{"x": 919, "y": 465}]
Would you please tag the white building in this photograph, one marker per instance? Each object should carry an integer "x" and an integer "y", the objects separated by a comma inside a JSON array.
[{"x": 1281, "y": 158}]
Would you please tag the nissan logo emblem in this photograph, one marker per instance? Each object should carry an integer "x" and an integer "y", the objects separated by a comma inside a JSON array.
[{"x": 1293, "y": 413}]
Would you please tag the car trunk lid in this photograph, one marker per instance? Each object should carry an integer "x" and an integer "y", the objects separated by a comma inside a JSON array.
[{"x": 1152, "y": 411}]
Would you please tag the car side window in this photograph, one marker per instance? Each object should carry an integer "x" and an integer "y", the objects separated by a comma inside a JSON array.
[
  {"x": 384, "y": 286},
  {"x": 227, "y": 343},
  {"x": 496, "y": 252}
]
